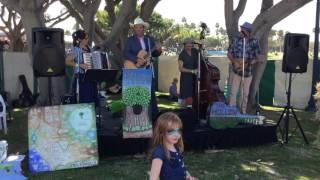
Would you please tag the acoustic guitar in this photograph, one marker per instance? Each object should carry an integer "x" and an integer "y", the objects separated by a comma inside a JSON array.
[
  {"x": 238, "y": 65},
  {"x": 143, "y": 55}
]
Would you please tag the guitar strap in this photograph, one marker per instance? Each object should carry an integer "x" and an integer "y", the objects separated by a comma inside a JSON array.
[{"x": 151, "y": 61}]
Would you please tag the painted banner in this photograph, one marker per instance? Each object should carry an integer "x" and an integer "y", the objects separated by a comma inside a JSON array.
[
  {"x": 136, "y": 95},
  {"x": 62, "y": 137}
]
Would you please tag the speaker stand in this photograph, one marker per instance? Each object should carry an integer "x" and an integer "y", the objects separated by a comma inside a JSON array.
[
  {"x": 284, "y": 131},
  {"x": 50, "y": 90}
]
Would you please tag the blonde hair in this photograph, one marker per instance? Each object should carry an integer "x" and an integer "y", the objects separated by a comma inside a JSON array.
[
  {"x": 175, "y": 80},
  {"x": 317, "y": 115},
  {"x": 164, "y": 122},
  {"x": 317, "y": 95}
]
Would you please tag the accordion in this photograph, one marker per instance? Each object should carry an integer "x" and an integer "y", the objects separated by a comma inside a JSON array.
[{"x": 96, "y": 60}]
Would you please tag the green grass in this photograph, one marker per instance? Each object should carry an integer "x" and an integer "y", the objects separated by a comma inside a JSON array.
[
  {"x": 294, "y": 160},
  {"x": 275, "y": 56}
]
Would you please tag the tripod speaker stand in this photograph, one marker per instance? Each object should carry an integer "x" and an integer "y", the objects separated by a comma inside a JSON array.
[{"x": 285, "y": 116}]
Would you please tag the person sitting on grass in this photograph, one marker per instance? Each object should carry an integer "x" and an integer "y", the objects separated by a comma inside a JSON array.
[{"x": 173, "y": 90}]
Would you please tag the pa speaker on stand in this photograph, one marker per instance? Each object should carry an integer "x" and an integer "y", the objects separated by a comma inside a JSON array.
[
  {"x": 295, "y": 60},
  {"x": 48, "y": 51},
  {"x": 295, "y": 53}
]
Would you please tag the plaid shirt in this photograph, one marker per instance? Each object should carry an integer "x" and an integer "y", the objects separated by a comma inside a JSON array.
[{"x": 252, "y": 50}]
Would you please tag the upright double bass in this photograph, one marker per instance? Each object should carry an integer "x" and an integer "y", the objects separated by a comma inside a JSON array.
[{"x": 207, "y": 88}]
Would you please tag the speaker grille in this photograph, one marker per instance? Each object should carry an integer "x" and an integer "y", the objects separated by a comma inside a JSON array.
[
  {"x": 51, "y": 62},
  {"x": 48, "y": 52},
  {"x": 295, "y": 53}
]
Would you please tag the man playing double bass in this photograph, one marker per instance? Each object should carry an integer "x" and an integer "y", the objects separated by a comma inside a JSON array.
[
  {"x": 138, "y": 52},
  {"x": 243, "y": 52}
]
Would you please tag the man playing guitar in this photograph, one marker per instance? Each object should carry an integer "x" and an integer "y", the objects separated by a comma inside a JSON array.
[
  {"x": 138, "y": 52},
  {"x": 243, "y": 52},
  {"x": 140, "y": 48}
]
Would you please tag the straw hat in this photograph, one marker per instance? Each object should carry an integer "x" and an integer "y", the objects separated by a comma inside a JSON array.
[{"x": 139, "y": 21}]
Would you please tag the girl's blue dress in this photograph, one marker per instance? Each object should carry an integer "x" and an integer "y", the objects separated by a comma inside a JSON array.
[{"x": 173, "y": 168}]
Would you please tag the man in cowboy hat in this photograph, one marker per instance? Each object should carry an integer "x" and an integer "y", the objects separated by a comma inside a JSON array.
[
  {"x": 139, "y": 42},
  {"x": 243, "y": 52},
  {"x": 131, "y": 54}
]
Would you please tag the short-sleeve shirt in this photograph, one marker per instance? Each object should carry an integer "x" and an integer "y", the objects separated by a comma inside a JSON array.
[
  {"x": 189, "y": 62},
  {"x": 187, "y": 80},
  {"x": 77, "y": 54},
  {"x": 173, "y": 90},
  {"x": 173, "y": 168},
  {"x": 252, "y": 50}
]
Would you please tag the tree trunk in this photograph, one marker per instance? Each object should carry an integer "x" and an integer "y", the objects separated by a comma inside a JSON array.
[
  {"x": 147, "y": 8},
  {"x": 17, "y": 45},
  {"x": 29, "y": 21},
  {"x": 119, "y": 31},
  {"x": 258, "y": 69},
  {"x": 232, "y": 16},
  {"x": 257, "y": 72}
]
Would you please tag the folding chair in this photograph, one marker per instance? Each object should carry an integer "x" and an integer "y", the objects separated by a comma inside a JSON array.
[{"x": 3, "y": 119}]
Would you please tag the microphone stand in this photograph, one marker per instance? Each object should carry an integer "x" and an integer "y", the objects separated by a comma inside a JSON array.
[
  {"x": 242, "y": 78},
  {"x": 78, "y": 79},
  {"x": 198, "y": 78},
  {"x": 151, "y": 60},
  {"x": 198, "y": 81}
]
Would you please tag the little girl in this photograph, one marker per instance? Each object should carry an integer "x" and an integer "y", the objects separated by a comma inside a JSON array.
[
  {"x": 167, "y": 160},
  {"x": 317, "y": 97}
]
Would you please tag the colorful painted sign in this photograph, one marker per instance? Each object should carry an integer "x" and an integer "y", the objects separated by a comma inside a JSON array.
[
  {"x": 62, "y": 137},
  {"x": 136, "y": 95}
]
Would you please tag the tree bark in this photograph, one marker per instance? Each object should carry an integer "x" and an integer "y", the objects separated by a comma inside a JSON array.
[
  {"x": 110, "y": 9},
  {"x": 84, "y": 12},
  {"x": 120, "y": 26},
  {"x": 13, "y": 28},
  {"x": 31, "y": 15},
  {"x": 232, "y": 16},
  {"x": 147, "y": 8}
]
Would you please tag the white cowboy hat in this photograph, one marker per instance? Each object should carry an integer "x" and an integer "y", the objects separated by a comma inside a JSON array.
[{"x": 139, "y": 21}]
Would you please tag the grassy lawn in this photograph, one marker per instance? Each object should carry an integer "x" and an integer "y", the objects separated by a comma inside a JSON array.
[{"x": 294, "y": 160}]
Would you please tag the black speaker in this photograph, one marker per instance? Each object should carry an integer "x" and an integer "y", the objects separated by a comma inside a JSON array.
[
  {"x": 48, "y": 52},
  {"x": 295, "y": 53}
]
